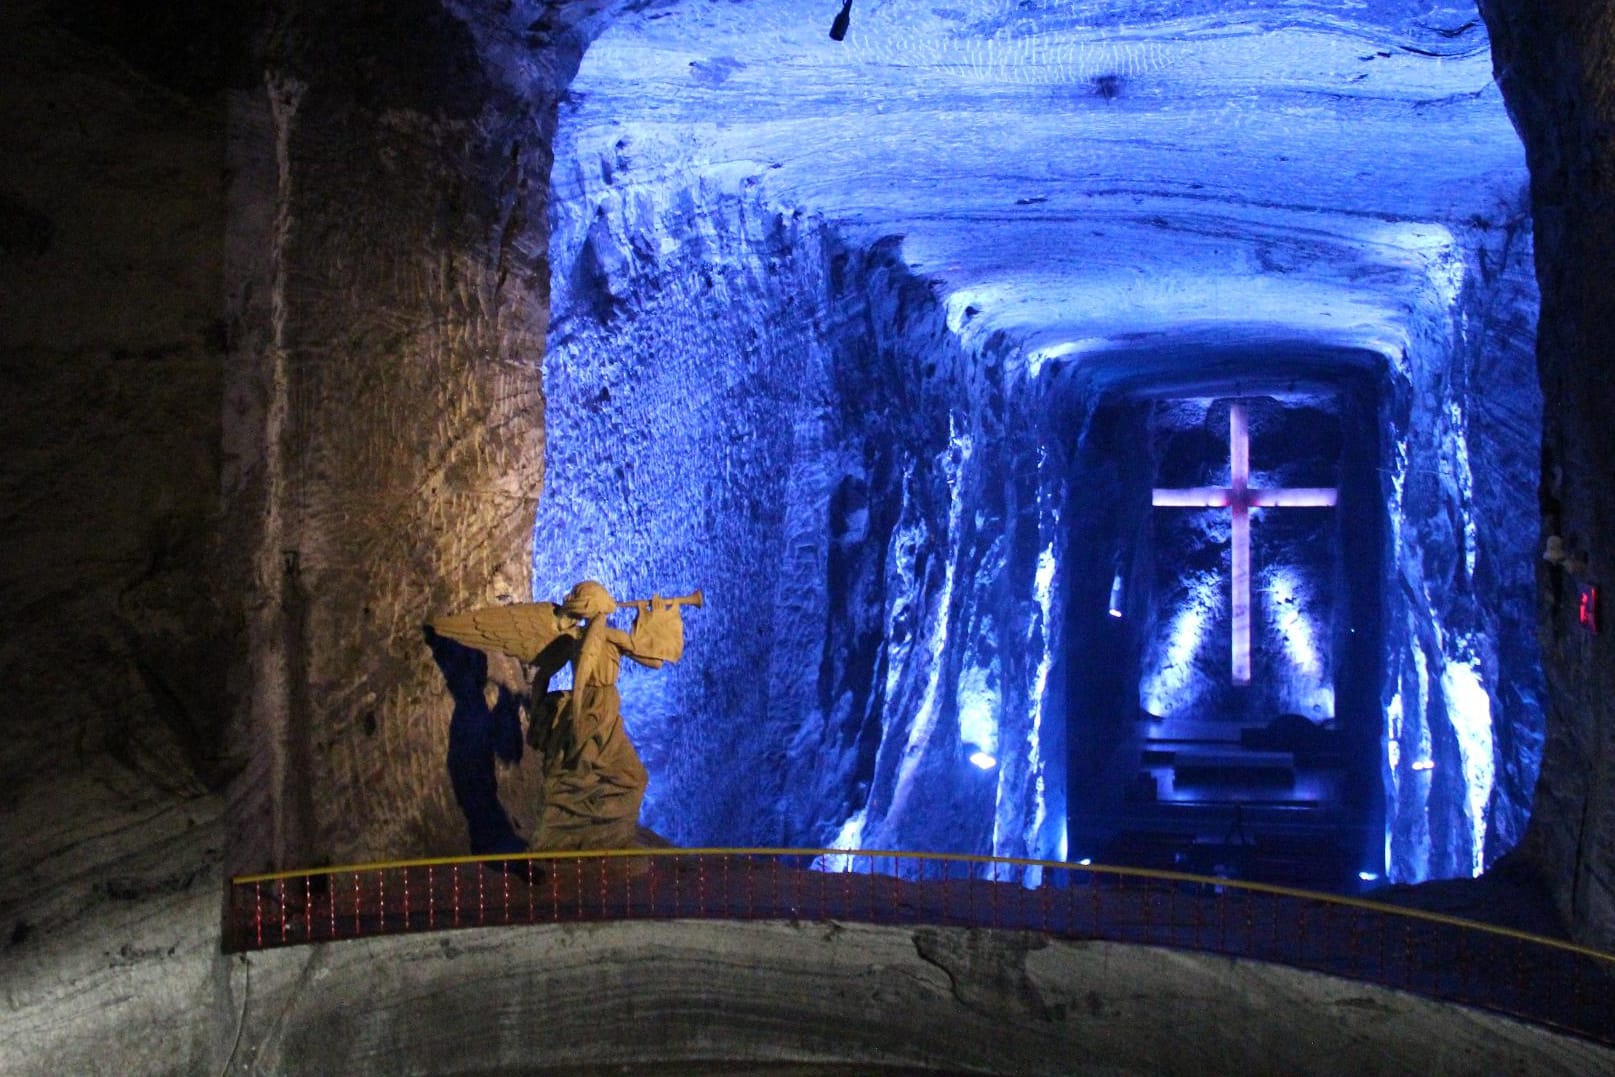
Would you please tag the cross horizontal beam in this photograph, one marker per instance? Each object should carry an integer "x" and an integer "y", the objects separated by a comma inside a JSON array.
[{"x": 1238, "y": 497}]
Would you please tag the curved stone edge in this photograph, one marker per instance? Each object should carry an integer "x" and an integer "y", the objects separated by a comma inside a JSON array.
[
  {"x": 688, "y": 993},
  {"x": 139, "y": 986}
]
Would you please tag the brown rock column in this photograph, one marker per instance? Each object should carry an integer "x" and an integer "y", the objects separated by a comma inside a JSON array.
[
  {"x": 1555, "y": 61},
  {"x": 383, "y": 412}
]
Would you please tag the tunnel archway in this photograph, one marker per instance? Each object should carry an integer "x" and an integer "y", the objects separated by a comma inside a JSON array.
[
  {"x": 865, "y": 384},
  {"x": 1175, "y": 762}
]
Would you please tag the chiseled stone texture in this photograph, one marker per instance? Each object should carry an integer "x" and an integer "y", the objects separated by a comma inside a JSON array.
[
  {"x": 384, "y": 409},
  {"x": 396, "y": 303},
  {"x": 367, "y": 397},
  {"x": 109, "y": 962},
  {"x": 833, "y": 372},
  {"x": 111, "y": 364},
  {"x": 117, "y": 640},
  {"x": 740, "y": 401},
  {"x": 1555, "y": 61},
  {"x": 726, "y": 997}
]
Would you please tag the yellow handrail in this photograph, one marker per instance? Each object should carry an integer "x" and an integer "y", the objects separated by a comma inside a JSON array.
[{"x": 963, "y": 858}]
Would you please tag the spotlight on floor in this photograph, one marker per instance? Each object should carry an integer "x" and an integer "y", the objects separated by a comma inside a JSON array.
[
  {"x": 1368, "y": 876},
  {"x": 1116, "y": 595},
  {"x": 838, "y": 29},
  {"x": 983, "y": 760}
]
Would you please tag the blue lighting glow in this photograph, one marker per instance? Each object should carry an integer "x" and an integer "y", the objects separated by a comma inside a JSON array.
[
  {"x": 851, "y": 837},
  {"x": 1308, "y": 688},
  {"x": 865, "y": 530},
  {"x": 978, "y": 701},
  {"x": 1469, "y": 708},
  {"x": 1172, "y": 682},
  {"x": 1043, "y": 634}
]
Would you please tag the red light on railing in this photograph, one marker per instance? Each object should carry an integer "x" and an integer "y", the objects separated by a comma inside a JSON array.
[{"x": 1438, "y": 956}]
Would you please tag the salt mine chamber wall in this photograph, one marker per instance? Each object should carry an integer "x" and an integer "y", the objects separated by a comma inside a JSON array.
[
  {"x": 846, "y": 382},
  {"x": 740, "y": 402},
  {"x": 885, "y": 503},
  {"x": 384, "y": 264}
]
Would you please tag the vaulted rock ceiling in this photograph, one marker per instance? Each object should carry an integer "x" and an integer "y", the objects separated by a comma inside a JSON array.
[
  {"x": 832, "y": 320},
  {"x": 1077, "y": 173}
]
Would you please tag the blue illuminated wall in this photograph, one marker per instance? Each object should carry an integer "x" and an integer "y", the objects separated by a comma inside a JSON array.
[
  {"x": 881, "y": 517},
  {"x": 851, "y": 384},
  {"x": 1463, "y": 687},
  {"x": 739, "y": 402}
]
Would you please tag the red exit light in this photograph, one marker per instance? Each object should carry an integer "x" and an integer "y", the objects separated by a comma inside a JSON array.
[{"x": 1587, "y": 606}]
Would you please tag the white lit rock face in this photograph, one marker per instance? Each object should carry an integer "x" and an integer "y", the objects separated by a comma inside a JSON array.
[{"x": 832, "y": 322}]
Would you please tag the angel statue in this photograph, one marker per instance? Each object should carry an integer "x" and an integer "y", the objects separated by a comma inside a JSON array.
[{"x": 593, "y": 779}]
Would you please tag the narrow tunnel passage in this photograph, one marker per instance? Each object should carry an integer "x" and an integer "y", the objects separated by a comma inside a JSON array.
[
  {"x": 883, "y": 400},
  {"x": 1175, "y": 763}
]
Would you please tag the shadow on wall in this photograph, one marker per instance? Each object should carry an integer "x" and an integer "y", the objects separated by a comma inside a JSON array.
[{"x": 479, "y": 734}]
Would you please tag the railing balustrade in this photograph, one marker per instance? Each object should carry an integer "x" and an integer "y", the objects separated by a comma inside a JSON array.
[{"x": 1547, "y": 981}]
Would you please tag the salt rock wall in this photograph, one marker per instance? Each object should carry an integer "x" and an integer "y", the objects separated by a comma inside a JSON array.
[
  {"x": 713, "y": 998},
  {"x": 383, "y": 411},
  {"x": 112, "y": 358},
  {"x": 875, "y": 501},
  {"x": 945, "y": 521},
  {"x": 118, "y": 641},
  {"x": 687, "y": 335},
  {"x": 741, "y": 401},
  {"x": 1555, "y": 62},
  {"x": 1463, "y": 692}
]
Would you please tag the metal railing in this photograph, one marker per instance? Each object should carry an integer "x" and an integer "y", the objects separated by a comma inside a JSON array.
[{"x": 1547, "y": 981}]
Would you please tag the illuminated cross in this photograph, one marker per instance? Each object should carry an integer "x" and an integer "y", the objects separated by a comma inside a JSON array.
[{"x": 1239, "y": 499}]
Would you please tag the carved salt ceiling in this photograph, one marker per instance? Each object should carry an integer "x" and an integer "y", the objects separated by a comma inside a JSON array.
[{"x": 1090, "y": 175}]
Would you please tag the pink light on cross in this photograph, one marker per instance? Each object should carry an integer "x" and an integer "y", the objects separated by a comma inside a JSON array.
[{"x": 1239, "y": 498}]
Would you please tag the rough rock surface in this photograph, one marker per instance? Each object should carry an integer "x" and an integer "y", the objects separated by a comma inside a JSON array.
[
  {"x": 876, "y": 359},
  {"x": 724, "y": 997},
  {"x": 113, "y": 666},
  {"x": 142, "y": 378},
  {"x": 383, "y": 414},
  {"x": 112, "y": 354},
  {"x": 1556, "y": 65}
]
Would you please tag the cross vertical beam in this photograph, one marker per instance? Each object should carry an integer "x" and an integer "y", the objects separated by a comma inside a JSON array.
[
  {"x": 1239, "y": 498},
  {"x": 1239, "y": 504}
]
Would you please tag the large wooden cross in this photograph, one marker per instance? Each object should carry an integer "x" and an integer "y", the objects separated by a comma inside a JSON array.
[{"x": 1239, "y": 498}]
